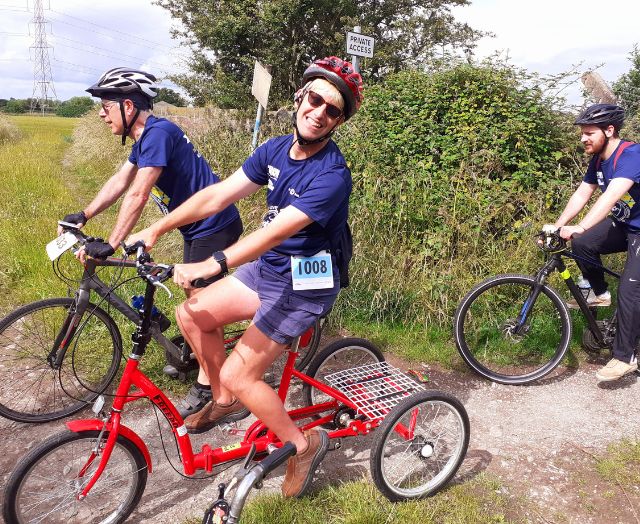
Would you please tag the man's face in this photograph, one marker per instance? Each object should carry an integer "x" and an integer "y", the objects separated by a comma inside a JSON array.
[
  {"x": 319, "y": 108},
  {"x": 594, "y": 138},
  {"x": 110, "y": 114}
]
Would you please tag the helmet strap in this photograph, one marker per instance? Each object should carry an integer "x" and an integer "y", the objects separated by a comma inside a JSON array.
[{"x": 127, "y": 126}]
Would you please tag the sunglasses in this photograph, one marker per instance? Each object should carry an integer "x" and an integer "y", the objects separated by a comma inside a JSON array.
[
  {"x": 106, "y": 106},
  {"x": 315, "y": 100}
]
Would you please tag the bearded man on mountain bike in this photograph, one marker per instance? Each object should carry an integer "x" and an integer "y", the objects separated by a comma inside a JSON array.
[
  {"x": 288, "y": 271},
  {"x": 612, "y": 225},
  {"x": 163, "y": 164}
]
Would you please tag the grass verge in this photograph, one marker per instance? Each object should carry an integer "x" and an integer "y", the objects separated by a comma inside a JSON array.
[{"x": 479, "y": 500}]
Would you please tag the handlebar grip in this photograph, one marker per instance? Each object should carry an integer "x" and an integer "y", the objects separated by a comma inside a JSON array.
[
  {"x": 280, "y": 456},
  {"x": 131, "y": 249},
  {"x": 199, "y": 283}
]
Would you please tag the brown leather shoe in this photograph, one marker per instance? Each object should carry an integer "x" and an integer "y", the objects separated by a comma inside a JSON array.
[
  {"x": 213, "y": 414},
  {"x": 301, "y": 467}
]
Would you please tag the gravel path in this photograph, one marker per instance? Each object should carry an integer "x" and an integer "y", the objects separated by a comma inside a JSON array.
[{"x": 533, "y": 437}]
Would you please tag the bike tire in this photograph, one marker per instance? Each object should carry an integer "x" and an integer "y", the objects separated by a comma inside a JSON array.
[
  {"x": 45, "y": 484},
  {"x": 27, "y": 336},
  {"x": 340, "y": 355},
  {"x": 406, "y": 467},
  {"x": 483, "y": 330}
]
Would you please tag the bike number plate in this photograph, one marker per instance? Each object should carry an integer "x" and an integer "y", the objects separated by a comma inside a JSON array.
[
  {"x": 313, "y": 272},
  {"x": 59, "y": 245}
]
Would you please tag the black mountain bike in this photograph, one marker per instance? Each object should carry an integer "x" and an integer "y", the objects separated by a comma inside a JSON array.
[
  {"x": 514, "y": 329},
  {"x": 57, "y": 355}
]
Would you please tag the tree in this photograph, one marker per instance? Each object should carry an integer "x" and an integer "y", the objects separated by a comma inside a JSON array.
[
  {"x": 170, "y": 96},
  {"x": 627, "y": 87},
  {"x": 227, "y": 36},
  {"x": 75, "y": 106},
  {"x": 17, "y": 106}
]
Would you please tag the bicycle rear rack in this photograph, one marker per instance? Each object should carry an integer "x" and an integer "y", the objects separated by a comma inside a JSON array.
[{"x": 375, "y": 388}]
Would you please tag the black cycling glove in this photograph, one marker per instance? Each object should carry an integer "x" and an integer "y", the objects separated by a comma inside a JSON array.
[
  {"x": 98, "y": 249},
  {"x": 76, "y": 218}
]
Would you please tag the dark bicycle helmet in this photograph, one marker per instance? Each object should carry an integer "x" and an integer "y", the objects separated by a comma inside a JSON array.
[
  {"x": 602, "y": 115},
  {"x": 341, "y": 74}
]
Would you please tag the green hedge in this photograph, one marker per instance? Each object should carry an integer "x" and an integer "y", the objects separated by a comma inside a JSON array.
[{"x": 453, "y": 172}]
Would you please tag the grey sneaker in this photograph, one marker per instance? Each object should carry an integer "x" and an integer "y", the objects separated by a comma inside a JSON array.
[
  {"x": 195, "y": 400},
  {"x": 615, "y": 369},
  {"x": 603, "y": 300}
]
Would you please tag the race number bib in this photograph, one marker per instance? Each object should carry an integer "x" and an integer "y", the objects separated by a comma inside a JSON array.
[
  {"x": 64, "y": 242},
  {"x": 313, "y": 272}
]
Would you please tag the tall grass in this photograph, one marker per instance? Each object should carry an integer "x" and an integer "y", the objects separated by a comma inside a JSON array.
[
  {"x": 33, "y": 195},
  {"x": 8, "y": 131}
]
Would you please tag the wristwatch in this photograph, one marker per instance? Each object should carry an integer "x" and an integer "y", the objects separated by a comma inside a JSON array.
[{"x": 221, "y": 259}]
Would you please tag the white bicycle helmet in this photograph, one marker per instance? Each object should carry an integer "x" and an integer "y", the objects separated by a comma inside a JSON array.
[
  {"x": 121, "y": 84},
  {"x": 124, "y": 81}
]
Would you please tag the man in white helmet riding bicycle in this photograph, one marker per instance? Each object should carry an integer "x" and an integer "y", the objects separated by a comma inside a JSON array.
[
  {"x": 163, "y": 164},
  {"x": 308, "y": 187},
  {"x": 612, "y": 225}
]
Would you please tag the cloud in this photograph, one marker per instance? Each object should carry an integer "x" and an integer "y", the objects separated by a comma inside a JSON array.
[{"x": 86, "y": 40}]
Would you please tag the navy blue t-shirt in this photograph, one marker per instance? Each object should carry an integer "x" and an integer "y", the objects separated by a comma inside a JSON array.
[
  {"x": 626, "y": 210},
  {"x": 318, "y": 186},
  {"x": 185, "y": 172}
]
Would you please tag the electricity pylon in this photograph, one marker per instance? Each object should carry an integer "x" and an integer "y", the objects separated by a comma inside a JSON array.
[{"x": 43, "y": 90}]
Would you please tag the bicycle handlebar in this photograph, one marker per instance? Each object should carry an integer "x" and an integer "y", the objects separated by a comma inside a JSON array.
[
  {"x": 255, "y": 475},
  {"x": 550, "y": 241}
]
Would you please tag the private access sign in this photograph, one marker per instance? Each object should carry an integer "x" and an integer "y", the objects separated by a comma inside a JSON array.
[{"x": 360, "y": 45}]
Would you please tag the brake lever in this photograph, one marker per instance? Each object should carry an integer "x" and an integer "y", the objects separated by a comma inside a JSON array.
[{"x": 160, "y": 284}]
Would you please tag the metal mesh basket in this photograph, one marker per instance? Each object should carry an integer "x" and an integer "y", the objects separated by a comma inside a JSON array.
[{"x": 375, "y": 388}]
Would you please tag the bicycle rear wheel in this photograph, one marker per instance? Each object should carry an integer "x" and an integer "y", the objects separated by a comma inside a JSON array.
[
  {"x": 419, "y": 446},
  {"x": 340, "y": 355},
  {"x": 45, "y": 485},
  {"x": 491, "y": 342},
  {"x": 31, "y": 389}
]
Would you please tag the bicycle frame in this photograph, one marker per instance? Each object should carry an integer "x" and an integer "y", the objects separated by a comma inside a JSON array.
[
  {"x": 206, "y": 459},
  {"x": 91, "y": 282},
  {"x": 556, "y": 263}
]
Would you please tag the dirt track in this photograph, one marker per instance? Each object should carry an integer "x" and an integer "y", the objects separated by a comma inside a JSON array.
[{"x": 536, "y": 438}]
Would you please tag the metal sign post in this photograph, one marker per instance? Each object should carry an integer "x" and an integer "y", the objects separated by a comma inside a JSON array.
[
  {"x": 260, "y": 90},
  {"x": 359, "y": 45}
]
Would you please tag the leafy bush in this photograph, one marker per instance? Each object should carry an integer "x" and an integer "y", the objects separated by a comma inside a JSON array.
[
  {"x": 16, "y": 106},
  {"x": 452, "y": 171},
  {"x": 75, "y": 107}
]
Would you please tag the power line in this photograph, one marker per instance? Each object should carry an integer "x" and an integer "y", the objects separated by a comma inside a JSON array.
[
  {"x": 131, "y": 40},
  {"x": 136, "y": 39},
  {"x": 107, "y": 51},
  {"x": 92, "y": 69}
]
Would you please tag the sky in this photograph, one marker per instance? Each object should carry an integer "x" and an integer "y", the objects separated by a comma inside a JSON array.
[{"x": 87, "y": 38}]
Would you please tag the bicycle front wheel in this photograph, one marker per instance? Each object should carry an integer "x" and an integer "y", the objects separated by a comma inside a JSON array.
[
  {"x": 419, "y": 446},
  {"x": 497, "y": 345},
  {"x": 44, "y": 487},
  {"x": 31, "y": 388}
]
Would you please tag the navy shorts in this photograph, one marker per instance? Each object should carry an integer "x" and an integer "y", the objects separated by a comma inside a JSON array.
[
  {"x": 283, "y": 314},
  {"x": 200, "y": 249}
]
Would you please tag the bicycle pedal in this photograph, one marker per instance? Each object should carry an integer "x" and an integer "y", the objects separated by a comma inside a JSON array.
[{"x": 230, "y": 428}]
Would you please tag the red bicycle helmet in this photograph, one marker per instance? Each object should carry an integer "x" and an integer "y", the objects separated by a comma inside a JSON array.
[{"x": 341, "y": 74}]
